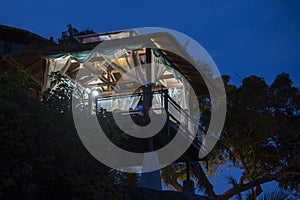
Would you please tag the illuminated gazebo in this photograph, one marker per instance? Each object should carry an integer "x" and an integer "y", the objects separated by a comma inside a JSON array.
[
  {"x": 127, "y": 67},
  {"x": 123, "y": 69}
]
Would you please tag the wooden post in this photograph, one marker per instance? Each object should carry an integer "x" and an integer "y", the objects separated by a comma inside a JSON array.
[
  {"x": 186, "y": 122},
  {"x": 188, "y": 176},
  {"x": 148, "y": 88},
  {"x": 148, "y": 61},
  {"x": 166, "y": 105},
  {"x": 188, "y": 184},
  {"x": 90, "y": 104},
  {"x": 109, "y": 78},
  {"x": 96, "y": 104},
  {"x": 148, "y": 94},
  {"x": 149, "y": 179}
]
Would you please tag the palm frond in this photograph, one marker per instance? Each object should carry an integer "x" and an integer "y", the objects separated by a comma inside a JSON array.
[
  {"x": 203, "y": 183},
  {"x": 275, "y": 194}
]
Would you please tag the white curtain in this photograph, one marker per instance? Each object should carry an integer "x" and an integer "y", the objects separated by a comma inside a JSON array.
[
  {"x": 157, "y": 68},
  {"x": 127, "y": 62},
  {"x": 61, "y": 64}
]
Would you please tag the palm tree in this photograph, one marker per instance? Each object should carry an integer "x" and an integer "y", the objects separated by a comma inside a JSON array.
[{"x": 276, "y": 194}]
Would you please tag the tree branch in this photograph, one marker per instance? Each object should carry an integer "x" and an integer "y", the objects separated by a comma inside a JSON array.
[
  {"x": 176, "y": 185},
  {"x": 233, "y": 191}
]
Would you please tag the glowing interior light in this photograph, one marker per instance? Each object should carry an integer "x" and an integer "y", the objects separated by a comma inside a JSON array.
[{"x": 95, "y": 93}]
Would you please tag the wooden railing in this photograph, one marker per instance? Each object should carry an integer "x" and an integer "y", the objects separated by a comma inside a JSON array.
[{"x": 167, "y": 103}]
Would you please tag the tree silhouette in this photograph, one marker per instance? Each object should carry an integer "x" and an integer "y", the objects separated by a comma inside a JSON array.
[
  {"x": 261, "y": 137},
  {"x": 68, "y": 36},
  {"x": 41, "y": 156}
]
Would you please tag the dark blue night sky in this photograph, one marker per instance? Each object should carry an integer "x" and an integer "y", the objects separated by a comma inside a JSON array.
[{"x": 243, "y": 37}]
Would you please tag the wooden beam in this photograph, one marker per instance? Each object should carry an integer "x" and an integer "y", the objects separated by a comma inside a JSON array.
[{"x": 17, "y": 65}]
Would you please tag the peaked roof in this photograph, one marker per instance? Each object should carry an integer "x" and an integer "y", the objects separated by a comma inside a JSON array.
[
  {"x": 20, "y": 36},
  {"x": 31, "y": 59}
]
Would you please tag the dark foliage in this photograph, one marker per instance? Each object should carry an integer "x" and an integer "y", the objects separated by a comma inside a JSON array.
[
  {"x": 67, "y": 37},
  {"x": 41, "y": 154}
]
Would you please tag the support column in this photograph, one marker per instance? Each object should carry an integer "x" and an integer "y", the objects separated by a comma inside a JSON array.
[
  {"x": 166, "y": 106},
  {"x": 90, "y": 104},
  {"x": 188, "y": 184},
  {"x": 150, "y": 179}
]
